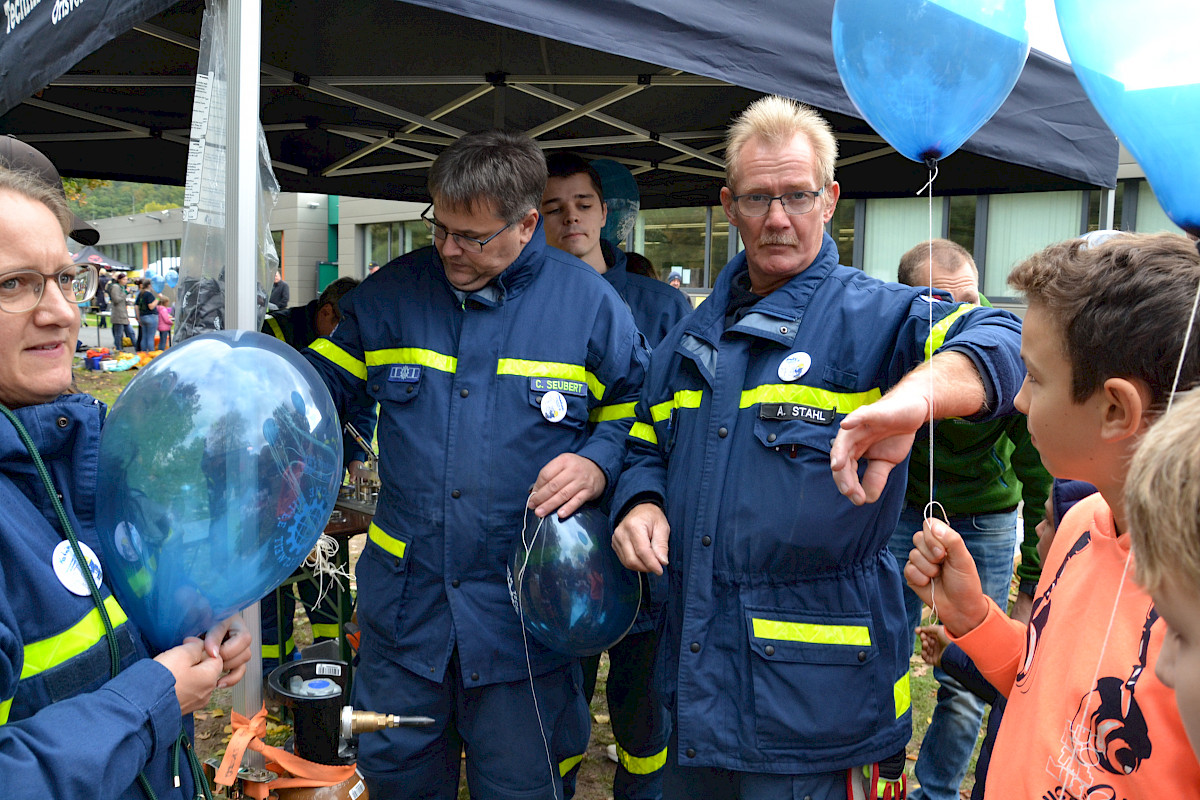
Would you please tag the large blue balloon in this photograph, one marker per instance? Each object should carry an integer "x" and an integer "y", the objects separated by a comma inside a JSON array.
[
  {"x": 172, "y": 278},
  {"x": 570, "y": 589},
  {"x": 927, "y": 74},
  {"x": 1140, "y": 66},
  {"x": 219, "y": 466},
  {"x": 622, "y": 197}
]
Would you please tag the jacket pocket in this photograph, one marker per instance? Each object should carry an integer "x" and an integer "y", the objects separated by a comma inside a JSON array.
[
  {"x": 815, "y": 677},
  {"x": 382, "y": 573},
  {"x": 395, "y": 383}
]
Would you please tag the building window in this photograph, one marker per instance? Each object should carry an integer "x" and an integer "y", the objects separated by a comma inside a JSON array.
[
  {"x": 841, "y": 228},
  {"x": 1020, "y": 225},
  {"x": 387, "y": 240}
]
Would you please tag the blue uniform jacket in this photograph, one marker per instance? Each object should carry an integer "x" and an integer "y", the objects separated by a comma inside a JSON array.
[
  {"x": 66, "y": 729},
  {"x": 462, "y": 437},
  {"x": 656, "y": 306},
  {"x": 785, "y": 648}
]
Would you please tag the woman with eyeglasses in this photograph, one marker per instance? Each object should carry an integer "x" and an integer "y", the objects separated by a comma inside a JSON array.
[{"x": 85, "y": 711}]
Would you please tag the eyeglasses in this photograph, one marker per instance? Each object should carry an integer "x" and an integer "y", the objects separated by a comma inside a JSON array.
[
  {"x": 21, "y": 290},
  {"x": 440, "y": 233},
  {"x": 794, "y": 203}
]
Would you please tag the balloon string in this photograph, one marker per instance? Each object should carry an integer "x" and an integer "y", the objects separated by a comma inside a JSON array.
[
  {"x": 322, "y": 561},
  {"x": 527, "y": 547},
  {"x": 933, "y": 172}
]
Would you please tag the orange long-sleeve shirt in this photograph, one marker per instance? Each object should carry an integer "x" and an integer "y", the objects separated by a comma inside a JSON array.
[{"x": 1086, "y": 715}]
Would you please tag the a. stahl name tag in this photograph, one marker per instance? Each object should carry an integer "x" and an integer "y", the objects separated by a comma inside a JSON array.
[
  {"x": 817, "y": 416},
  {"x": 405, "y": 373},
  {"x": 577, "y": 388}
]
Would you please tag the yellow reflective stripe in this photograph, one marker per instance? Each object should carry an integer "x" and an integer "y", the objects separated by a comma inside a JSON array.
[
  {"x": 902, "y": 695},
  {"x": 684, "y": 398},
  {"x": 58, "y": 649},
  {"x": 272, "y": 650},
  {"x": 4, "y": 709},
  {"x": 340, "y": 357},
  {"x": 609, "y": 413},
  {"x": 328, "y": 630},
  {"x": 276, "y": 331},
  {"x": 388, "y": 543},
  {"x": 567, "y": 765},
  {"x": 642, "y": 766},
  {"x": 937, "y": 334},
  {"x": 412, "y": 355},
  {"x": 810, "y": 633},
  {"x": 550, "y": 369},
  {"x": 842, "y": 402},
  {"x": 641, "y": 430}
]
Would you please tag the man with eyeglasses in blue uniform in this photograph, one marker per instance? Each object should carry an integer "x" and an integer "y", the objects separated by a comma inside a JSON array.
[
  {"x": 498, "y": 363},
  {"x": 784, "y": 647}
]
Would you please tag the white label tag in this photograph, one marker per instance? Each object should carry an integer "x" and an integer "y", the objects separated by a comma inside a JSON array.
[{"x": 330, "y": 669}]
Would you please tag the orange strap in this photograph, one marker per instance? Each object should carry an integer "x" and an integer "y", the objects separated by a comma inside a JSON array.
[{"x": 299, "y": 772}]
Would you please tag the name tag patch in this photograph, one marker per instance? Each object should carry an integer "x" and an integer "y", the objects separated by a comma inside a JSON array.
[
  {"x": 561, "y": 385},
  {"x": 817, "y": 416},
  {"x": 405, "y": 373}
]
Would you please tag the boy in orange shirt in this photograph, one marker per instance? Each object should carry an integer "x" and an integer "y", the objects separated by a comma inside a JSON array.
[
  {"x": 1162, "y": 497},
  {"x": 1086, "y": 715}
]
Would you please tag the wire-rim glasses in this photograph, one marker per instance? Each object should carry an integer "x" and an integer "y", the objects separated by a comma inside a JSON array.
[
  {"x": 440, "y": 233},
  {"x": 794, "y": 203},
  {"x": 22, "y": 289}
]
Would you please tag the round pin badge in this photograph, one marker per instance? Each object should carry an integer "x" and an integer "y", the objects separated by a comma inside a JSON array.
[
  {"x": 794, "y": 366},
  {"x": 554, "y": 406},
  {"x": 67, "y": 568},
  {"x": 128, "y": 541}
]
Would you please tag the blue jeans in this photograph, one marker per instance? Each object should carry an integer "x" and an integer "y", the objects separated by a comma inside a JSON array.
[
  {"x": 120, "y": 331},
  {"x": 950, "y": 738},
  {"x": 147, "y": 330}
]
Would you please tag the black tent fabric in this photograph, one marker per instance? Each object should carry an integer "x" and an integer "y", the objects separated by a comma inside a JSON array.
[
  {"x": 94, "y": 256},
  {"x": 358, "y": 97}
]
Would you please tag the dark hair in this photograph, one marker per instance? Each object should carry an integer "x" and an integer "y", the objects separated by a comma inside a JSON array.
[
  {"x": 640, "y": 265},
  {"x": 334, "y": 293},
  {"x": 1123, "y": 308},
  {"x": 505, "y": 169},
  {"x": 564, "y": 165},
  {"x": 943, "y": 253}
]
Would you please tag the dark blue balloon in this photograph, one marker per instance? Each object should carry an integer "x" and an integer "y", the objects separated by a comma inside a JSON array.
[
  {"x": 567, "y": 584},
  {"x": 1139, "y": 67},
  {"x": 926, "y": 75},
  {"x": 219, "y": 466}
]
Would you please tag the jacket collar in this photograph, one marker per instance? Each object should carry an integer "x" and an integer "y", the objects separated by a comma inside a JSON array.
[
  {"x": 51, "y": 437},
  {"x": 615, "y": 260},
  {"x": 509, "y": 283}
]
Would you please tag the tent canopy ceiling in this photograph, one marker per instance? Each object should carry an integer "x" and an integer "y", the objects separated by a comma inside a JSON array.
[{"x": 358, "y": 97}]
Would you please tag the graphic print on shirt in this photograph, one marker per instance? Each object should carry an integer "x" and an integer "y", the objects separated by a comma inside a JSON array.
[
  {"x": 1040, "y": 614},
  {"x": 1108, "y": 734}
]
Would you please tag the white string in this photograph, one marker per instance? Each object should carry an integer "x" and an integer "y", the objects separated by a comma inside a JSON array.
[
  {"x": 322, "y": 562},
  {"x": 933, "y": 172},
  {"x": 527, "y": 546}
]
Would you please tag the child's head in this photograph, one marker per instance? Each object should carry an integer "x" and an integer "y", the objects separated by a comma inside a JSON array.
[
  {"x": 1162, "y": 497},
  {"x": 1101, "y": 343}
]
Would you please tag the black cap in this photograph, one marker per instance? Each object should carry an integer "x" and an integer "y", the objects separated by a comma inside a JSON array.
[{"x": 16, "y": 155}]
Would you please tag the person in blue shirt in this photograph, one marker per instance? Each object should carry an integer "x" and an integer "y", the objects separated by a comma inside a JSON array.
[
  {"x": 499, "y": 364},
  {"x": 760, "y": 478},
  {"x": 575, "y": 213}
]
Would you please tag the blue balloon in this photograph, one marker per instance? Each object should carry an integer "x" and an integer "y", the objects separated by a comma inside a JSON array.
[
  {"x": 568, "y": 586},
  {"x": 156, "y": 283},
  {"x": 219, "y": 467},
  {"x": 1139, "y": 67},
  {"x": 926, "y": 75},
  {"x": 622, "y": 197},
  {"x": 172, "y": 278}
]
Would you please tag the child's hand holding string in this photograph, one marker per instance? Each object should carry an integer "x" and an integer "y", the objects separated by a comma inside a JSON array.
[{"x": 940, "y": 569}]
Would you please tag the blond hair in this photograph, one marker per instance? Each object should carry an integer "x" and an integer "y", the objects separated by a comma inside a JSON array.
[
  {"x": 776, "y": 120},
  {"x": 1162, "y": 498}
]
